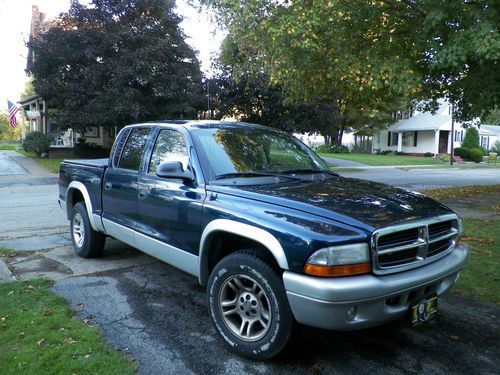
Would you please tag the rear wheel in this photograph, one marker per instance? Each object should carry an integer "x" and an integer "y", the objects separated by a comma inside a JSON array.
[
  {"x": 248, "y": 305},
  {"x": 86, "y": 241}
]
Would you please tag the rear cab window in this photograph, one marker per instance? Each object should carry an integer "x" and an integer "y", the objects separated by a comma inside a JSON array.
[{"x": 133, "y": 150}]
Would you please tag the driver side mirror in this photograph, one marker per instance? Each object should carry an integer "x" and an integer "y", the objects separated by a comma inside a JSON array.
[{"x": 174, "y": 169}]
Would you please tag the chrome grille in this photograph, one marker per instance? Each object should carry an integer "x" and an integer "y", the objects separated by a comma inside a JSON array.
[{"x": 406, "y": 246}]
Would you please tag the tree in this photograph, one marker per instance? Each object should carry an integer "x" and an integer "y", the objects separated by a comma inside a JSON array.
[
  {"x": 8, "y": 133},
  {"x": 116, "y": 62},
  {"x": 29, "y": 90},
  {"x": 368, "y": 52},
  {"x": 471, "y": 139},
  {"x": 242, "y": 91}
]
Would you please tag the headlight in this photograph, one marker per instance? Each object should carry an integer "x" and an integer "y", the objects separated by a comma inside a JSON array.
[{"x": 344, "y": 260}]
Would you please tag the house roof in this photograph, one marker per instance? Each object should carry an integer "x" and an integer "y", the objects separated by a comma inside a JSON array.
[
  {"x": 489, "y": 130},
  {"x": 426, "y": 120}
]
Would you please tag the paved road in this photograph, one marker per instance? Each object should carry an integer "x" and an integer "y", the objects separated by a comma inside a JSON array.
[
  {"x": 28, "y": 202},
  {"x": 421, "y": 179}
]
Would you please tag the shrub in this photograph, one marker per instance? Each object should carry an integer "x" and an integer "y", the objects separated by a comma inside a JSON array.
[
  {"x": 386, "y": 152},
  {"x": 428, "y": 154},
  {"x": 87, "y": 150},
  {"x": 445, "y": 158},
  {"x": 462, "y": 152},
  {"x": 471, "y": 139},
  {"x": 476, "y": 155},
  {"x": 36, "y": 142},
  {"x": 495, "y": 147},
  {"x": 332, "y": 149},
  {"x": 399, "y": 153}
]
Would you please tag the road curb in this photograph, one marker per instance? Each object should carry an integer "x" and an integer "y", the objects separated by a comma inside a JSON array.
[{"x": 5, "y": 274}]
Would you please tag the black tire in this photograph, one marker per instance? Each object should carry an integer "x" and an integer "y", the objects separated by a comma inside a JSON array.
[
  {"x": 253, "y": 292},
  {"x": 86, "y": 241}
]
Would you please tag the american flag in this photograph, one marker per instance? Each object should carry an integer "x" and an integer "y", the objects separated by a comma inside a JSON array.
[{"x": 13, "y": 109}]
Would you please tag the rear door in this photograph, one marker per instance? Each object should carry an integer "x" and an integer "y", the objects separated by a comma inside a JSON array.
[
  {"x": 170, "y": 210},
  {"x": 119, "y": 195}
]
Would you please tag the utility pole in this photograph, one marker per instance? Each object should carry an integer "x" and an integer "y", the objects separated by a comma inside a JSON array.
[
  {"x": 452, "y": 153},
  {"x": 208, "y": 99}
]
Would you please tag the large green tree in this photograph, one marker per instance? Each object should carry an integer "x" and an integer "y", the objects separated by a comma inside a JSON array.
[
  {"x": 241, "y": 90},
  {"x": 116, "y": 62},
  {"x": 365, "y": 53}
]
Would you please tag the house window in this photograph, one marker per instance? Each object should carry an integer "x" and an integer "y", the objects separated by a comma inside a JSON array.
[
  {"x": 392, "y": 139},
  {"x": 485, "y": 142},
  {"x": 410, "y": 139}
]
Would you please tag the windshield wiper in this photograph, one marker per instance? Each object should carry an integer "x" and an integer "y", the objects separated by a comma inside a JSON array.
[
  {"x": 309, "y": 170},
  {"x": 251, "y": 174}
]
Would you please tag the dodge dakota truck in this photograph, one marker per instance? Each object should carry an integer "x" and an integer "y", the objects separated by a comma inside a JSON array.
[{"x": 274, "y": 235}]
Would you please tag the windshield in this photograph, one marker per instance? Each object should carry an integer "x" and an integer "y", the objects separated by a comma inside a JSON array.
[{"x": 250, "y": 150}]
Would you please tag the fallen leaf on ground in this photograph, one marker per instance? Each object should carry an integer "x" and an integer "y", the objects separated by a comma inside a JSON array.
[
  {"x": 456, "y": 338},
  {"x": 21, "y": 334},
  {"x": 40, "y": 342},
  {"x": 47, "y": 313},
  {"x": 69, "y": 341}
]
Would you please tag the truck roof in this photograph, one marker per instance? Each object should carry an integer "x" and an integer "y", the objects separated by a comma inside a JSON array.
[{"x": 200, "y": 124}]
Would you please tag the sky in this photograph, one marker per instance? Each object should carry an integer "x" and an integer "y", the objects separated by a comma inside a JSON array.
[{"x": 15, "y": 21}]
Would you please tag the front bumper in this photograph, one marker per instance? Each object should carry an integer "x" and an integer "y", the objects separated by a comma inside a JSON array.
[{"x": 349, "y": 303}]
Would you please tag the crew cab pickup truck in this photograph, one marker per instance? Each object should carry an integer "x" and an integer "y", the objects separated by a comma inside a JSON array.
[{"x": 273, "y": 234}]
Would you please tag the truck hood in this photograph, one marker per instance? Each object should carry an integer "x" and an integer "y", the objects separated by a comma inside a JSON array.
[{"x": 365, "y": 204}]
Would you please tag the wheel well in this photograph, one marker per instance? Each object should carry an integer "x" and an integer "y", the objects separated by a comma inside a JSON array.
[
  {"x": 221, "y": 244},
  {"x": 74, "y": 197}
]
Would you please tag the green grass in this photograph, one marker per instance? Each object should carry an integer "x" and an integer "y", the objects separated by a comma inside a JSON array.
[
  {"x": 379, "y": 160},
  {"x": 463, "y": 192},
  {"x": 9, "y": 146},
  {"x": 480, "y": 278},
  {"x": 52, "y": 165},
  {"x": 38, "y": 335}
]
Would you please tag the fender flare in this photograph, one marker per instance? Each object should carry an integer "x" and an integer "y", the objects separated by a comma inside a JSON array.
[
  {"x": 241, "y": 229},
  {"x": 75, "y": 185}
]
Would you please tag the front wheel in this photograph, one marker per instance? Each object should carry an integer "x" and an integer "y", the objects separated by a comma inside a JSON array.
[
  {"x": 248, "y": 305},
  {"x": 86, "y": 241}
]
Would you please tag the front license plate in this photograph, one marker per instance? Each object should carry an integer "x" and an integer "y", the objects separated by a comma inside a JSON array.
[{"x": 423, "y": 310}]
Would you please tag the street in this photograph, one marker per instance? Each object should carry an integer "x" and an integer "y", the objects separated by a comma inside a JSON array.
[{"x": 158, "y": 315}]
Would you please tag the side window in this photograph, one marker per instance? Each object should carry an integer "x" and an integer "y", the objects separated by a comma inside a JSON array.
[
  {"x": 134, "y": 149},
  {"x": 118, "y": 146},
  {"x": 170, "y": 146}
]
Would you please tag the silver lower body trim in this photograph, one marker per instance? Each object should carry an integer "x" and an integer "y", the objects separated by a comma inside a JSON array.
[
  {"x": 169, "y": 254},
  {"x": 349, "y": 303}
]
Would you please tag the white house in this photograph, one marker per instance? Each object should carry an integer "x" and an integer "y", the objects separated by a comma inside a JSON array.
[
  {"x": 488, "y": 135},
  {"x": 421, "y": 132}
]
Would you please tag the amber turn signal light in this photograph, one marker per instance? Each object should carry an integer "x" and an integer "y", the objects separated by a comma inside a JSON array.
[{"x": 336, "y": 271}]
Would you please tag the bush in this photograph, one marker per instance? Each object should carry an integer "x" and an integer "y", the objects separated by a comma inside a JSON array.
[
  {"x": 36, "y": 142},
  {"x": 471, "y": 139},
  {"x": 495, "y": 147},
  {"x": 399, "y": 153},
  {"x": 87, "y": 150},
  {"x": 464, "y": 153},
  {"x": 386, "y": 152},
  {"x": 445, "y": 158},
  {"x": 428, "y": 154},
  {"x": 332, "y": 149},
  {"x": 476, "y": 155}
]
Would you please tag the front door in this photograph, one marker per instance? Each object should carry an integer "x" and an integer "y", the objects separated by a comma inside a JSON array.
[
  {"x": 119, "y": 195},
  {"x": 170, "y": 210},
  {"x": 443, "y": 141}
]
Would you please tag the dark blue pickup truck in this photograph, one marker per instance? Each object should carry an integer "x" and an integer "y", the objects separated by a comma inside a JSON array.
[{"x": 263, "y": 223}]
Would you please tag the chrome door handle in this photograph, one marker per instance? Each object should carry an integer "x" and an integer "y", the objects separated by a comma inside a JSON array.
[
  {"x": 108, "y": 186},
  {"x": 143, "y": 194}
]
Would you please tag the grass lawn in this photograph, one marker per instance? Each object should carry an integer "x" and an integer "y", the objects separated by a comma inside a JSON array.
[
  {"x": 52, "y": 165},
  {"x": 9, "y": 146},
  {"x": 39, "y": 335},
  {"x": 464, "y": 192},
  {"x": 371, "y": 159},
  {"x": 480, "y": 278}
]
